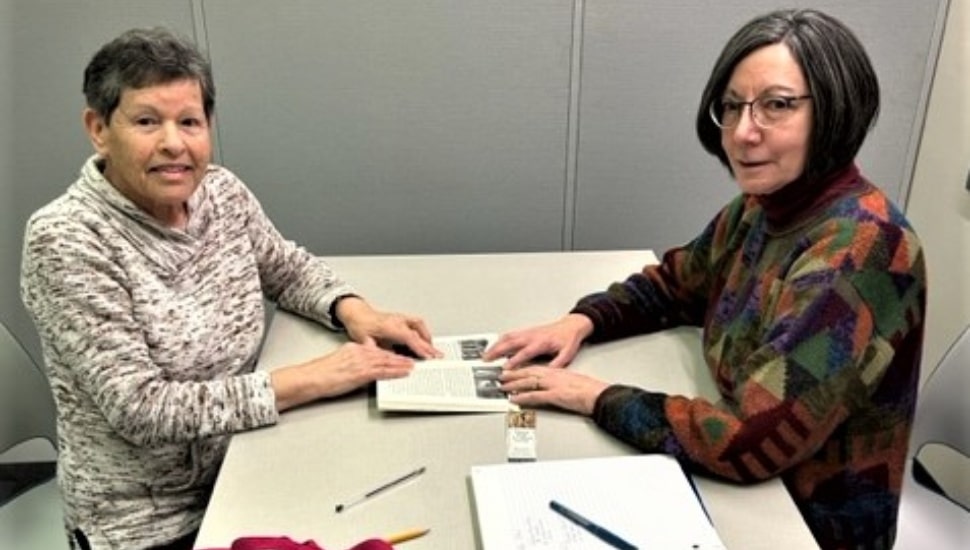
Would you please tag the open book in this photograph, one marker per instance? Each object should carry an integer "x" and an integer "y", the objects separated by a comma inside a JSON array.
[
  {"x": 643, "y": 501},
  {"x": 459, "y": 382}
]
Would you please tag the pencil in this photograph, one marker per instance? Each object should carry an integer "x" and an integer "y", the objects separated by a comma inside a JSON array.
[{"x": 405, "y": 536}]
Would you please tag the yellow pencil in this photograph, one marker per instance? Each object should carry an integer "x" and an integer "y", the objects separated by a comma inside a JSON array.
[{"x": 406, "y": 535}]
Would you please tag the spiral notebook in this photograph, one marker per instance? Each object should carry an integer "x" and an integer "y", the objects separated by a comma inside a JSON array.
[{"x": 645, "y": 500}]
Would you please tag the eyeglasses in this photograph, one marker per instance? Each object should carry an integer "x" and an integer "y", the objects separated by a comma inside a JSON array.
[{"x": 766, "y": 111}]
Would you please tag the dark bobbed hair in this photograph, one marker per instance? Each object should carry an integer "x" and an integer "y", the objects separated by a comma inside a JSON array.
[
  {"x": 840, "y": 77},
  {"x": 144, "y": 57}
]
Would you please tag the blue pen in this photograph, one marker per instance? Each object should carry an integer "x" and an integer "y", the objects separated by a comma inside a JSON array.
[{"x": 599, "y": 531}]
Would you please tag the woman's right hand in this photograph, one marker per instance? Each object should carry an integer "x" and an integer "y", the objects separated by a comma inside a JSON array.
[
  {"x": 351, "y": 366},
  {"x": 560, "y": 339}
]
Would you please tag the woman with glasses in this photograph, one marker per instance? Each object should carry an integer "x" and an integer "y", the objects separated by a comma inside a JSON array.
[{"x": 809, "y": 286}]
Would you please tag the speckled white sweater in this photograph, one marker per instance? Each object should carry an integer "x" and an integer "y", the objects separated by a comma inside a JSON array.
[{"x": 150, "y": 337}]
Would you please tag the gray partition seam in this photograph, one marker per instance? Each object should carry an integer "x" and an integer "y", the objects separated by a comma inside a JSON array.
[
  {"x": 572, "y": 127},
  {"x": 916, "y": 137},
  {"x": 201, "y": 35}
]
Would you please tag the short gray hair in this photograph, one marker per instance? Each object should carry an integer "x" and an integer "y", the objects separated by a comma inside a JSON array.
[{"x": 140, "y": 58}]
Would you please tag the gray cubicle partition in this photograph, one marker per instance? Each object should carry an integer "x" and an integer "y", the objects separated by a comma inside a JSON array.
[
  {"x": 484, "y": 125},
  {"x": 380, "y": 126},
  {"x": 384, "y": 126}
]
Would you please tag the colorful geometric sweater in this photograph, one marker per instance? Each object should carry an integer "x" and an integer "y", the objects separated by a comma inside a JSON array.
[
  {"x": 150, "y": 338},
  {"x": 812, "y": 309}
]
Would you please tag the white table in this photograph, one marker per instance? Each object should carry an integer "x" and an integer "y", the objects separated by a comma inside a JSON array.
[{"x": 287, "y": 479}]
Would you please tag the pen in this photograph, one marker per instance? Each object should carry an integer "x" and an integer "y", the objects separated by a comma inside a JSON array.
[
  {"x": 599, "y": 531},
  {"x": 380, "y": 489},
  {"x": 405, "y": 536}
]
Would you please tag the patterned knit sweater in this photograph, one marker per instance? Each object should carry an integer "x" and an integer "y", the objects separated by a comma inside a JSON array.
[
  {"x": 150, "y": 336},
  {"x": 812, "y": 313}
]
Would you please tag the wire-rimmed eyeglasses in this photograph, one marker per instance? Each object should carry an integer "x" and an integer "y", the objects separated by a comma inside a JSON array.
[{"x": 766, "y": 111}]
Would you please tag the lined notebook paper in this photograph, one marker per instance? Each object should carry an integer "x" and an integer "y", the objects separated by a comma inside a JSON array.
[{"x": 645, "y": 499}]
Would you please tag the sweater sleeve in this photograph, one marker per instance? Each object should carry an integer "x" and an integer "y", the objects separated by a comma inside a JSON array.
[
  {"x": 845, "y": 311},
  {"x": 290, "y": 275},
  {"x": 95, "y": 346},
  {"x": 673, "y": 293}
]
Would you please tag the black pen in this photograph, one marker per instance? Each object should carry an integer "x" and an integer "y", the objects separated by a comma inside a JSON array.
[
  {"x": 380, "y": 489},
  {"x": 599, "y": 531}
]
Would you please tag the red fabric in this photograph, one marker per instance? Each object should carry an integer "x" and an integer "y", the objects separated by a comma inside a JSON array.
[{"x": 286, "y": 543}]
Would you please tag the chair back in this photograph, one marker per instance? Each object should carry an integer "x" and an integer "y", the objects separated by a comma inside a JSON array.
[
  {"x": 943, "y": 414},
  {"x": 26, "y": 403},
  {"x": 943, "y": 409}
]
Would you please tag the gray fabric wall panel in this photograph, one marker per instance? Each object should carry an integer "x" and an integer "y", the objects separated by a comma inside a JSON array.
[
  {"x": 643, "y": 180},
  {"x": 11, "y": 225},
  {"x": 393, "y": 127}
]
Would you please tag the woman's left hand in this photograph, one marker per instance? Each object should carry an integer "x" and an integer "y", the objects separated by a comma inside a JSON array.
[
  {"x": 367, "y": 325},
  {"x": 537, "y": 385}
]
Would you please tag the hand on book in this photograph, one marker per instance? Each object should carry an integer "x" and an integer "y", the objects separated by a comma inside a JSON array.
[
  {"x": 349, "y": 367},
  {"x": 565, "y": 389},
  {"x": 365, "y": 325},
  {"x": 560, "y": 340}
]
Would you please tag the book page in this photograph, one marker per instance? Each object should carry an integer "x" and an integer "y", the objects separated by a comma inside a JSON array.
[
  {"x": 468, "y": 347},
  {"x": 445, "y": 379},
  {"x": 460, "y": 381},
  {"x": 646, "y": 500}
]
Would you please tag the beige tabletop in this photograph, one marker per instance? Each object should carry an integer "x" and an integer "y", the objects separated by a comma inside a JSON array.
[{"x": 287, "y": 479}]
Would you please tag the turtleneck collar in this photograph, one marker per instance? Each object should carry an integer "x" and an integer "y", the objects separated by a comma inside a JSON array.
[{"x": 802, "y": 198}]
